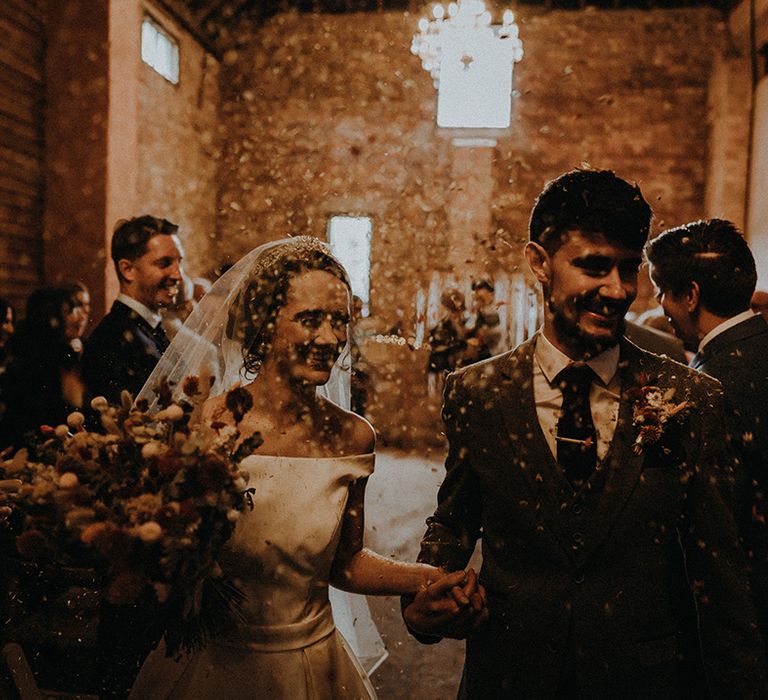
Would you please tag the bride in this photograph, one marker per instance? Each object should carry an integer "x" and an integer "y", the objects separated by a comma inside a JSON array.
[{"x": 279, "y": 319}]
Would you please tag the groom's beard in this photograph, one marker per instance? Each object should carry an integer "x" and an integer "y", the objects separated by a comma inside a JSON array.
[{"x": 571, "y": 334}]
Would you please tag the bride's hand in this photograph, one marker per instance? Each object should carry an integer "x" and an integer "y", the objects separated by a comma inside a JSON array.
[
  {"x": 7, "y": 488},
  {"x": 472, "y": 593},
  {"x": 452, "y": 606}
]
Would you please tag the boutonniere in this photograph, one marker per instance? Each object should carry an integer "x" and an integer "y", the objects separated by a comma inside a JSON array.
[{"x": 652, "y": 410}]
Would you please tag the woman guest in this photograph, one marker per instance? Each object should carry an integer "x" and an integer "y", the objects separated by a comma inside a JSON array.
[
  {"x": 7, "y": 327},
  {"x": 41, "y": 384},
  {"x": 277, "y": 322},
  {"x": 80, "y": 314}
]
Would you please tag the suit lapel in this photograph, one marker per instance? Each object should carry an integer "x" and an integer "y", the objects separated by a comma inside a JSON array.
[
  {"x": 533, "y": 457},
  {"x": 142, "y": 325},
  {"x": 622, "y": 466}
]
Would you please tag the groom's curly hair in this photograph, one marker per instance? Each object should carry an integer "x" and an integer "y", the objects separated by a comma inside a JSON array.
[
  {"x": 592, "y": 202},
  {"x": 253, "y": 317}
]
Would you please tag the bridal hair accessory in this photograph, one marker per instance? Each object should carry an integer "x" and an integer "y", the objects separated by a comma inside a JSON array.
[
  {"x": 253, "y": 314},
  {"x": 652, "y": 410},
  {"x": 147, "y": 506},
  {"x": 229, "y": 333}
]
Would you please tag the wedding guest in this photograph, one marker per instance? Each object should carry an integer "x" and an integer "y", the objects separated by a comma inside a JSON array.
[
  {"x": 590, "y": 468},
  {"x": 287, "y": 305},
  {"x": 81, "y": 300},
  {"x": 124, "y": 348},
  {"x": 447, "y": 340},
  {"x": 120, "y": 354},
  {"x": 41, "y": 384},
  {"x": 361, "y": 377},
  {"x": 7, "y": 326},
  {"x": 174, "y": 315},
  {"x": 191, "y": 291},
  {"x": 705, "y": 278},
  {"x": 485, "y": 324}
]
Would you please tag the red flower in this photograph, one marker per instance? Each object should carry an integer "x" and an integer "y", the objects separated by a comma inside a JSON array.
[{"x": 650, "y": 415}]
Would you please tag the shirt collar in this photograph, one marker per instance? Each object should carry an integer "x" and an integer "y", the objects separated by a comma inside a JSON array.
[
  {"x": 152, "y": 318},
  {"x": 552, "y": 361},
  {"x": 724, "y": 326}
]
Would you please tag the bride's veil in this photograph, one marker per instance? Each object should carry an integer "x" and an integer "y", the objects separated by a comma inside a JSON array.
[{"x": 205, "y": 348}]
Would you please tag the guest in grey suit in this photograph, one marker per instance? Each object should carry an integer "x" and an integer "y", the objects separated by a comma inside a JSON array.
[
  {"x": 705, "y": 276},
  {"x": 590, "y": 468}
]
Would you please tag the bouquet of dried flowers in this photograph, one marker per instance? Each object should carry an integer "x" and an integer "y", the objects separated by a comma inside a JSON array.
[{"x": 148, "y": 503}]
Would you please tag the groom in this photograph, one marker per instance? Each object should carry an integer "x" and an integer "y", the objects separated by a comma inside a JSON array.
[{"x": 611, "y": 564}]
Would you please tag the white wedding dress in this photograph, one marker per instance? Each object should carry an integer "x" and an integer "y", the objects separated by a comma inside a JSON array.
[{"x": 280, "y": 555}]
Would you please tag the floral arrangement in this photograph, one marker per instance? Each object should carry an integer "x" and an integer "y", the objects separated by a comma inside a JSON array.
[
  {"x": 652, "y": 409},
  {"x": 148, "y": 503}
]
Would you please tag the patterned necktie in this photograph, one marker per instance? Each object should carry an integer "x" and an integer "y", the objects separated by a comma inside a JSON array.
[{"x": 576, "y": 436}]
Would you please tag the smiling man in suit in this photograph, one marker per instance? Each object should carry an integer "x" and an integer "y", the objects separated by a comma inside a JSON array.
[
  {"x": 120, "y": 354},
  {"x": 705, "y": 277},
  {"x": 124, "y": 348},
  {"x": 590, "y": 470}
]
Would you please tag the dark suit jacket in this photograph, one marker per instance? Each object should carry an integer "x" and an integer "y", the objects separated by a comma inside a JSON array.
[
  {"x": 655, "y": 341},
  {"x": 120, "y": 354},
  {"x": 738, "y": 357},
  {"x": 595, "y": 588}
]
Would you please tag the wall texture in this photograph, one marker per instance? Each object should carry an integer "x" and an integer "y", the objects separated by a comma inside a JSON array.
[
  {"x": 329, "y": 114},
  {"x": 177, "y": 146}
]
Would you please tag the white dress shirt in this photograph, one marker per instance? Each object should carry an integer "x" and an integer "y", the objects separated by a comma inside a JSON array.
[
  {"x": 152, "y": 318},
  {"x": 724, "y": 326},
  {"x": 604, "y": 395}
]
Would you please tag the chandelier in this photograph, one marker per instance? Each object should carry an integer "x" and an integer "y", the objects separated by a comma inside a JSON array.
[{"x": 465, "y": 26}]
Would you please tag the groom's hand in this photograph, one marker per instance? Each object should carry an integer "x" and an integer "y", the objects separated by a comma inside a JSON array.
[
  {"x": 471, "y": 594},
  {"x": 454, "y": 606}
]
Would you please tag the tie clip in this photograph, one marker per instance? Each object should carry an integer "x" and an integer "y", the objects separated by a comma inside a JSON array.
[{"x": 586, "y": 443}]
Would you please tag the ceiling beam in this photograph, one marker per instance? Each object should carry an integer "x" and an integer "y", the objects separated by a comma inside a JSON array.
[{"x": 181, "y": 14}]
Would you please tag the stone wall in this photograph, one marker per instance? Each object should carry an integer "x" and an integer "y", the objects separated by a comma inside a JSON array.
[
  {"x": 327, "y": 114},
  {"x": 331, "y": 114}
]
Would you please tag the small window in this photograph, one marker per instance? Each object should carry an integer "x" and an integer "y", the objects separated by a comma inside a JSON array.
[
  {"x": 350, "y": 241},
  {"x": 160, "y": 50}
]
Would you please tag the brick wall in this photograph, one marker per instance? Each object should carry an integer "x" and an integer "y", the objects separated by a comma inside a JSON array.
[{"x": 22, "y": 168}]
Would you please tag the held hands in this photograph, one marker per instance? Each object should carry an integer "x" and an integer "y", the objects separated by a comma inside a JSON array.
[{"x": 453, "y": 606}]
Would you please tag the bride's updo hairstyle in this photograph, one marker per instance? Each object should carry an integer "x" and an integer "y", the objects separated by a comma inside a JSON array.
[{"x": 253, "y": 315}]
